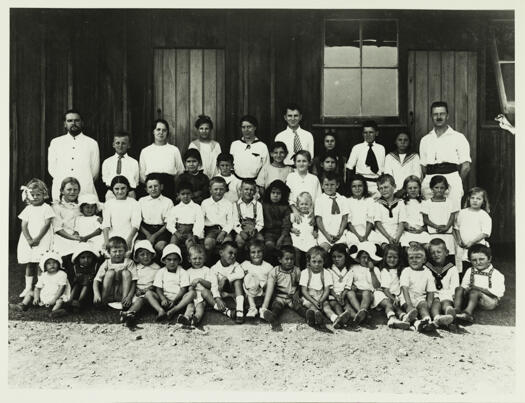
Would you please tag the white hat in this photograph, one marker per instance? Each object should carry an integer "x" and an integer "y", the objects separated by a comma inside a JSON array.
[
  {"x": 367, "y": 247},
  {"x": 88, "y": 198},
  {"x": 143, "y": 244},
  {"x": 169, "y": 249},
  {"x": 84, "y": 247},
  {"x": 49, "y": 254}
]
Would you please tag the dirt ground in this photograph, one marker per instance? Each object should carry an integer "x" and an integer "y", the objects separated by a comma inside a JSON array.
[{"x": 89, "y": 352}]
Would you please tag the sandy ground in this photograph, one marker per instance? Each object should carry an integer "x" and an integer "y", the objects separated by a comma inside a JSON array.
[{"x": 237, "y": 357}]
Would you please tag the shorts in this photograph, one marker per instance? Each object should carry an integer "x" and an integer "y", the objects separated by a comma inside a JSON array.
[
  {"x": 488, "y": 303},
  {"x": 253, "y": 286},
  {"x": 152, "y": 228},
  {"x": 377, "y": 297},
  {"x": 212, "y": 231},
  {"x": 445, "y": 295},
  {"x": 317, "y": 294},
  {"x": 415, "y": 301}
]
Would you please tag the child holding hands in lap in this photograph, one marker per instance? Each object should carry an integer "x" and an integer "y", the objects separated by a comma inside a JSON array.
[{"x": 342, "y": 278}]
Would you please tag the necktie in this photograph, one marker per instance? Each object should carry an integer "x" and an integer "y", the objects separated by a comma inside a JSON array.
[
  {"x": 296, "y": 143},
  {"x": 119, "y": 165},
  {"x": 371, "y": 159},
  {"x": 335, "y": 206}
]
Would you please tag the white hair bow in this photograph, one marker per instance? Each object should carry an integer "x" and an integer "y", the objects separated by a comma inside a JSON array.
[{"x": 26, "y": 193}]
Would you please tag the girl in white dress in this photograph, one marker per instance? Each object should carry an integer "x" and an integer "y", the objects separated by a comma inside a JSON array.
[
  {"x": 66, "y": 239},
  {"x": 301, "y": 180},
  {"x": 37, "y": 232},
  {"x": 415, "y": 229},
  {"x": 361, "y": 210},
  {"x": 303, "y": 232},
  {"x": 473, "y": 224},
  {"x": 122, "y": 215},
  {"x": 88, "y": 224}
]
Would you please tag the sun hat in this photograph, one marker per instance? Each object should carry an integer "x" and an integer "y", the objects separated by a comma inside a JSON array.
[
  {"x": 143, "y": 244},
  {"x": 88, "y": 198},
  {"x": 49, "y": 254},
  {"x": 169, "y": 249},
  {"x": 83, "y": 247},
  {"x": 369, "y": 248}
]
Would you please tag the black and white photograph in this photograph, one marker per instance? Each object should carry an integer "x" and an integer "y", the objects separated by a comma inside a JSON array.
[{"x": 262, "y": 202}]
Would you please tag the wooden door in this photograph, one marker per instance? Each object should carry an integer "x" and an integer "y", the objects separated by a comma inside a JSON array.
[
  {"x": 188, "y": 83},
  {"x": 449, "y": 76}
]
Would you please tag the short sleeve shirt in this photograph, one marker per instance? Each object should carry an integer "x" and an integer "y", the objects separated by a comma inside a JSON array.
[
  {"x": 171, "y": 283},
  {"x": 286, "y": 282},
  {"x": 316, "y": 280}
]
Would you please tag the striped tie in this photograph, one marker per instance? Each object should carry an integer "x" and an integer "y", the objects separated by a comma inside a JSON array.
[{"x": 296, "y": 143}]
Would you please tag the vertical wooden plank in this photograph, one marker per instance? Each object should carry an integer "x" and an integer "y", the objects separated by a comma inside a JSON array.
[
  {"x": 448, "y": 82},
  {"x": 43, "y": 148},
  {"x": 412, "y": 107},
  {"x": 210, "y": 84},
  {"x": 220, "y": 97},
  {"x": 157, "y": 83},
  {"x": 183, "y": 95},
  {"x": 421, "y": 96},
  {"x": 461, "y": 92},
  {"x": 434, "y": 80},
  {"x": 168, "y": 93},
  {"x": 196, "y": 88},
  {"x": 472, "y": 121}
]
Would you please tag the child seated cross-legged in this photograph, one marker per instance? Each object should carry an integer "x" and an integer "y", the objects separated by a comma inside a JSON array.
[
  {"x": 255, "y": 275},
  {"x": 85, "y": 268},
  {"x": 365, "y": 280},
  {"x": 316, "y": 283},
  {"x": 417, "y": 290},
  {"x": 446, "y": 279},
  {"x": 170, "y": 294},
  {"x": 387, "y": 297},
  {"x": 282, "y": 290},
  {"x": 147, "y": 269},
  {"x": 229, "y": 278},
  {"x": 482, "y": 285},
  {"x": 342, "y": 278},
  {"x": 248, "y": 216},
  {"x": 117, "y": 276}
]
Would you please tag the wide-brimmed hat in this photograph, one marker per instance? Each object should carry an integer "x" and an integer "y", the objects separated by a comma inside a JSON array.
[
  {"x": 169, "y": 249},
  {"x": 143, "y": 244},
  {"x": 369, "y": 248},
  {"x": 50, "y": 254},
  {"x": 81, "y": 248},
  {"x": 88, "y": 198}
]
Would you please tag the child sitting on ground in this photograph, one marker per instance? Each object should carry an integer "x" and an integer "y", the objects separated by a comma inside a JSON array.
[
  {"x": 342, "y": 279},
  {"x": 482, "y": 286},
  {"x": 255, "y": 275},
  {"x": 229, "y": 278},
  {"x": 364, "y": 280},
  {"x": 88, "y": 225},
  {"x": 446, "y": 278},
  {"x": 233, "y": 184},
  {"x": 387, "y": 297},
  {"x": 248, "y": 215},
  {"x": 117, "y": 276},
  {"x": 147, "y": 269},
  {"x": 417, "y": 290},
  {"x": 185, "y": 220},
  {"x": 85, "y": 268},
  {"x": 316, "y": 283},
  {"x": 170, "y": 294},
  {"x": 52, "y": 289},
  {"x": 200, "y": 184},
  {"x": 282, "y": 289},
  {"x": 154, "y": 209}
]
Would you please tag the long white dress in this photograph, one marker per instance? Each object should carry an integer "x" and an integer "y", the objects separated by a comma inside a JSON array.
[{"x": 36, "y": 217}]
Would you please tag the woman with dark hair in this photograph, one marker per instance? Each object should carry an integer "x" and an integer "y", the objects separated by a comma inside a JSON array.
[{"x": 208, "y": 148}]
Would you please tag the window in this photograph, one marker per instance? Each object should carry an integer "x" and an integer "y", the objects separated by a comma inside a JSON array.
[
  {"x": 502, "y": 54},
  {"x": 360, "y": 70}
]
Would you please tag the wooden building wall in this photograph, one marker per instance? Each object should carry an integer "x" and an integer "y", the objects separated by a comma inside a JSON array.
[{"x": 101, "y": 62}]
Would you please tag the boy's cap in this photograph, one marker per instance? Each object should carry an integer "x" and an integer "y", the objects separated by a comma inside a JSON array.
[
  {"x": 144, "y": 244},
  {"x": 50, "y": 254},
  {"x": 83, "y": 247},
  {"x": 169, "y": 249},
  {"x": 369, "y": 248}
]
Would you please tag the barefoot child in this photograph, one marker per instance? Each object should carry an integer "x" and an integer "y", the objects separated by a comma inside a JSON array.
[
  {"x": 482, "y": 285},
  {"x": 446, "y": 278},
  {"x": 85, "y": 268},
  {"x": 229, "y": 278},
  {"x": 147, "y": 269},
  {"x": 117, "y": 276},
  {"x": 316, "y": 283},
  {"x": 37, "y": 233},
  {"x": 52, "y": 289},
  {"x": 417, "y": 290},
  {"x": 170, "y": 294},
  {"x": 364, "y": 280},
  {"x": 255, "y": 275},
  {"x": 387, "y": 297},
  {"x": 282, "y": 289},
  {"x": 342, "y": 279}
]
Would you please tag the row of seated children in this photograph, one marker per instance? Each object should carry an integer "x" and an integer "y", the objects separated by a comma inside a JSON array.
[{"x": 336, "y": 285}]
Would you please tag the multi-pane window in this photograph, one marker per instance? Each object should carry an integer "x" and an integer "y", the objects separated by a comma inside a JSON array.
[
  {"x": 360, "y": 71},
  {"x": 503, "y": 58}
]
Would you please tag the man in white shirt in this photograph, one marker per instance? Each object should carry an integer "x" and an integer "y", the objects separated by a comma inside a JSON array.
[
  {"x": 73, "y": 154},
  {"x": 444, "y": 151},
  {"x": 293, "y": 136}
]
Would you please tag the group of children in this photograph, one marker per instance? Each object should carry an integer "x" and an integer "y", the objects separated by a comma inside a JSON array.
[{"x": 306, "y": 238}]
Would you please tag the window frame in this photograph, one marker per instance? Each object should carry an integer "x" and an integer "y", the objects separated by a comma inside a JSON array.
[
  {"x": 359, "y": 118},
  {"x": 507, "y": 107}
]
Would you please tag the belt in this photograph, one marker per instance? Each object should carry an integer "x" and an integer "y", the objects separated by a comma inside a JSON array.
[
  {"x": 443, "y": 168},
  {"x": 370, "y": 179},
  {"x": 212, "y": 227}
]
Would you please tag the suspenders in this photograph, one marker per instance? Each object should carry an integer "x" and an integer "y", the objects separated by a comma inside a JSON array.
[
  {"x": 310, "y": 277},
  {"x": 481, "y": 273},
  {"x": 241, "y": 218}
]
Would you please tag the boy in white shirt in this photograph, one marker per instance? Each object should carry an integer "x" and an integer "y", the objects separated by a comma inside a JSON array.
[
  {"x": 248, "y": 215},
  {"x": 185, "y": 220},
  {"x": 154, "y": 209},
  {"x": 367, "y": 158},
  {"x": 120, "y": 164},
  {"x": 233, "y": 184},
  {"x": 387, "y": 213},
  {"x": 482, "y": 286}
]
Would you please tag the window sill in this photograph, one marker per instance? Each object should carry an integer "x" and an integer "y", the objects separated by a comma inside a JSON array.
[{"x": 354, "y": 125}]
